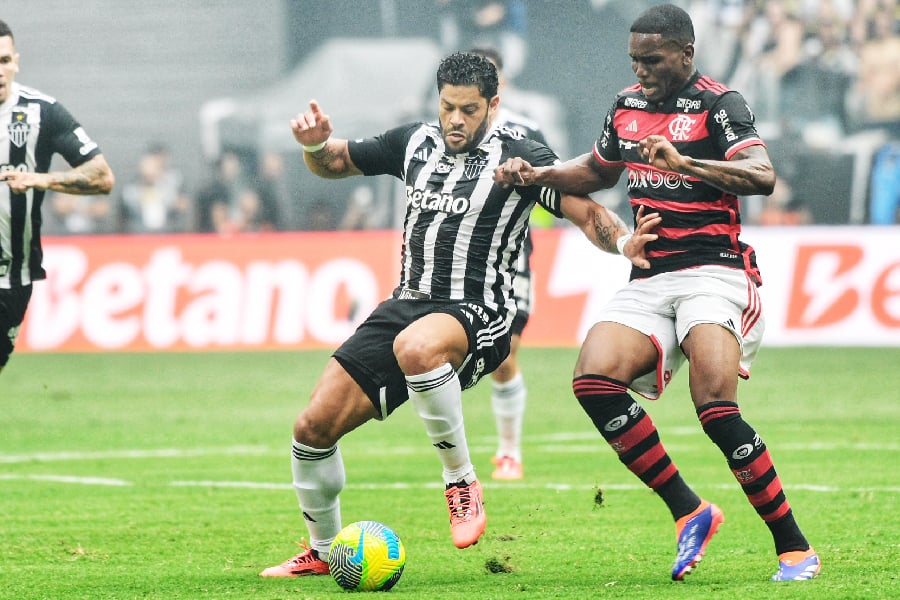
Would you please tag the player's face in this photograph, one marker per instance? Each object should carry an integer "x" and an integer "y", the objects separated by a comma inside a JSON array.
[
  {"x": 662, "y": 66},
  {"x": 465, "y": 117},
  {"x": 9, "y": 66}
]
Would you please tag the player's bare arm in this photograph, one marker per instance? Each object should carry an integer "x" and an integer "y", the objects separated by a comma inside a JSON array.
[
  {"x": 92, "y": 177},
  {"x": 749, "y": 172},
  {"x": 605, "y": 229},
  {"x": 580, "y": 175},
  {"x": 326, "y": 157}
]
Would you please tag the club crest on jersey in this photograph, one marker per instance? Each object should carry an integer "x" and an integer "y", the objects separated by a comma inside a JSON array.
[
  {"x": 474, "y": 165},
  {"x": 680, "y": 128},
  {"x": 18, "y": 129}
]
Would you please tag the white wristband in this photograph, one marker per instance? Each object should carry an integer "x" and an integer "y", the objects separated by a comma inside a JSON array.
[
  {"x": 315, "y": 148},
  {"x": 620, "y": 243}
]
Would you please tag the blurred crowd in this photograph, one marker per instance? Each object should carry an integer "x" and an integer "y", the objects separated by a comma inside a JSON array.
[
  {"x": 818, "y": 74},
  {"x": 806, "y": 61}
]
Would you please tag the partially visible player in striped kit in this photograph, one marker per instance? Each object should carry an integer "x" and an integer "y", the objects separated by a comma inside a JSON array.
[
  {"x": 447, "y": 322},
  {"x": 33, "y": 127},
  {"x": 690, "y": 147},
  {"x": 509, "y": 393}
]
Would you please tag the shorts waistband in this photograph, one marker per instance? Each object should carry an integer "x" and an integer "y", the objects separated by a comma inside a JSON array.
[{"x": 408, "y": 294}]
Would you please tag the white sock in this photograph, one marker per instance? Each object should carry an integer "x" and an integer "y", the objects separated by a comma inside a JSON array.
[
  {"x": 319, "y": 477},
  {"x": 437, "y": 398},
  {"x": 508, "y": 402}
]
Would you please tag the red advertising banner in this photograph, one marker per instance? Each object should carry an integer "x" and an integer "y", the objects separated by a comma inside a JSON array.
[{"x": 822, "y": 286}]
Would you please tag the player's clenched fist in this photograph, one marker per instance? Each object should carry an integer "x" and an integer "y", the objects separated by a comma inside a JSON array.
[{"x": 515, "y": 171}]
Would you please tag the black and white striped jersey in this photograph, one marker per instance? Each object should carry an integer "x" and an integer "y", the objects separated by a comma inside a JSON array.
[
  {"x": 462, "y": 233},
  {"x": 36, "y": 126},
  {"x": 523, "y": 287}
]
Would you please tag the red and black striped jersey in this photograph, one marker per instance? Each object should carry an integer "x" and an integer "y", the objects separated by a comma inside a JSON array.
[
  {"x": 462, "y": 233},
  {"x": 701, "y": 224},
  {"x": 33, "y": 127}
]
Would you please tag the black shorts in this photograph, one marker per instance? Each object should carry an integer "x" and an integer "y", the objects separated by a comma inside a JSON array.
[
  {"x": 13, "y": 303},
  {"x": 368, "y": 355},
  {"x": 523, "y": 292},
  {"x": 519, "y": 323}
]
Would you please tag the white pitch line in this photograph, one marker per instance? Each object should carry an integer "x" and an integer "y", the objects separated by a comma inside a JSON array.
[
  {"x": 559, "y": 487},
  {"x": 153, "y": 453},
  {"x": 69, "y": 479},
  {"x": 562, "y": 487},
  {"x": 597, "y": 446}
]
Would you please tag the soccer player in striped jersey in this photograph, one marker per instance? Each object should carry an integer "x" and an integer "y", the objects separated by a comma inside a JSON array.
[
  {"x": 447, "y": 323},
  {"x": 690, "y": 147},
  {"x": 34, "y": 128}
]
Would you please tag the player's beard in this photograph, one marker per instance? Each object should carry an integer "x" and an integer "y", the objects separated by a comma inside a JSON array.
[{"x": 476, "y": 137}]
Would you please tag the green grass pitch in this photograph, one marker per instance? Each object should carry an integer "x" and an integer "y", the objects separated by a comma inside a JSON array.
[{"x": 167, "y": 476}]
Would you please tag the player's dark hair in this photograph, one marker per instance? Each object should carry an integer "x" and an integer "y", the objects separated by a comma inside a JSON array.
[
  {"x": 466, "y": 68},
  {"x": 490, "y": 54},
  {"x": 5, "y": 30},
  {"x": 668, "y": 20}
]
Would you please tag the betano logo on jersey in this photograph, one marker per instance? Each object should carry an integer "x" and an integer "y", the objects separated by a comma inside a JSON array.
[
  {"x": 8, "y": 168},
  {"x": 436, "y": 201}
]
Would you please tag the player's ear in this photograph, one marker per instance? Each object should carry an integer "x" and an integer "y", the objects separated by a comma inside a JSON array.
[{"x": 494, "y": 103}]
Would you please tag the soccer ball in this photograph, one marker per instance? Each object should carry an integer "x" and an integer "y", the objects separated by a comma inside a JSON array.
[{"x": 366, "y": 556}]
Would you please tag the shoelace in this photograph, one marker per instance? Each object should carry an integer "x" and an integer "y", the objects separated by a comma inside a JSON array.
[
  {"x": 304, "y": 557},
  {"x": 461, "y": 505}
]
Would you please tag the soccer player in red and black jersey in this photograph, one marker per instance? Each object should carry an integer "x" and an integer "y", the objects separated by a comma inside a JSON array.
[
  {"x": 33, "y": 127},
  {"x": 690, "y": 147}
]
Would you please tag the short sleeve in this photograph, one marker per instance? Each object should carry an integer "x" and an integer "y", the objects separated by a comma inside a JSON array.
[
  {"x": 538, "y": 155},
  {"x": 732, "y": 124},
  {"x": 68, "y": 138},
  {"x": 383, "y": 154},
  {"x": 606, "y": 148}
]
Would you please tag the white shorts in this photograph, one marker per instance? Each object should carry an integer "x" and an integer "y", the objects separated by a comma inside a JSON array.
[{"x": 665, "y": 307}]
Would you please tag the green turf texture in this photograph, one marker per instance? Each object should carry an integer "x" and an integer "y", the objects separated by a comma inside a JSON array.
[{"x": 167, "y": 476}]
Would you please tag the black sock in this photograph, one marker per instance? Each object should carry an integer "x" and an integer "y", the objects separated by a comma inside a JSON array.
[
  {"x": 752, "y": 466},
  {"x": 631, "y": 433}
]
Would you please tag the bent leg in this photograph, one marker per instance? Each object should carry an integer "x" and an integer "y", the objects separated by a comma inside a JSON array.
[{"x": 337, "y": 406}]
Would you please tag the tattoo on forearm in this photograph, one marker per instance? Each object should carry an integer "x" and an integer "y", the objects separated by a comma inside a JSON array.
[
  {"x": 89, "y": 179},
  {"x": 328, "y": 160},
  {"x": 606, "y": 234}
]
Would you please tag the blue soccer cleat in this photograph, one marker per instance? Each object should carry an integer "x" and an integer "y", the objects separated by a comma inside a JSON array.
[
  {"x": 694, "y": 532},
  {"x": 797, "y": 566}
]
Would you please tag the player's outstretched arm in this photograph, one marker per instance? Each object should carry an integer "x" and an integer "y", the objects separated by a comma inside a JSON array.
[
  {"x": 91, "y": 177},
  {"x": 580, "y": 175},
  {"x": 749, "y": 172},
  {"x": 325, "y": 156}
]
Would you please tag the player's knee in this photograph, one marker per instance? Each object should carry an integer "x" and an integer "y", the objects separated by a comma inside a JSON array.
[
  {"x": 315, "y": 433},
  {"x": 506, "y": 371},
  {"x": 415, "y": 353}
]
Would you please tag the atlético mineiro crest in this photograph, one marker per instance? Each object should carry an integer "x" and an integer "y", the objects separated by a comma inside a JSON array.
[
  {"x": 474, "y": 165},
  {"x": 18, "y": 129}
]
